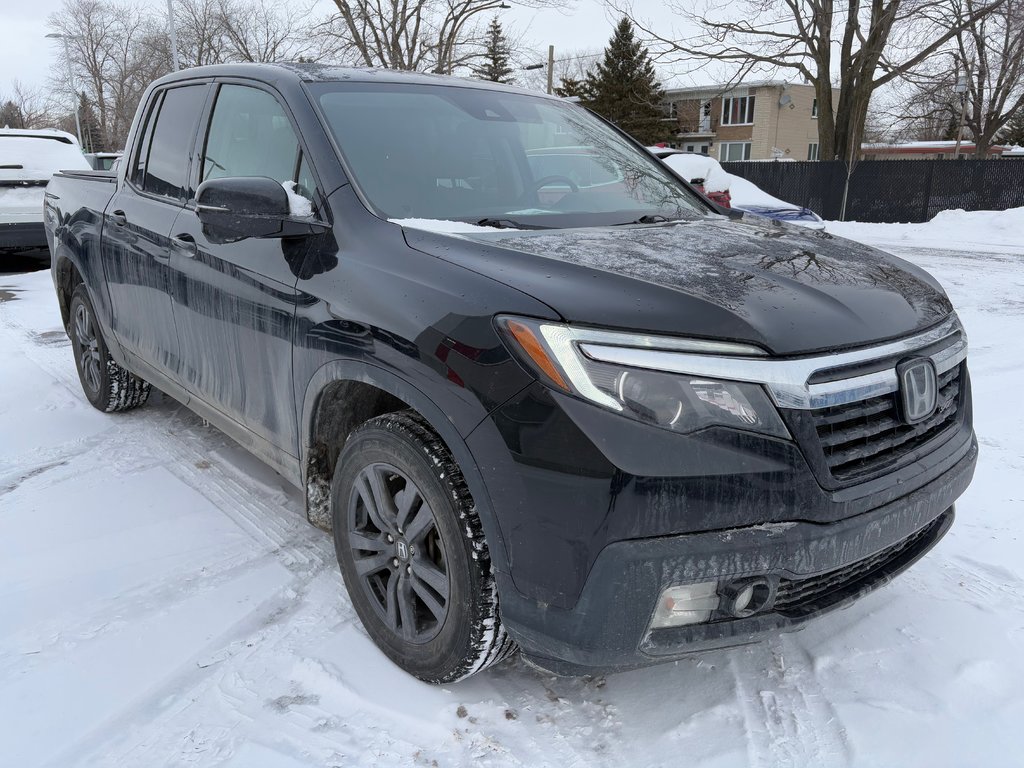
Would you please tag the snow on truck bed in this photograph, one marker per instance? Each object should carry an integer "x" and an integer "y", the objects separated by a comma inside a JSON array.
[{"x": 163, "y": 602}]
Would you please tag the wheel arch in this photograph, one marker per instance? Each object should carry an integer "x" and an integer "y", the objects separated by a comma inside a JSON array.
[
  {"x": 343, "y": 394},
  {"x": 66, "y": 278}
]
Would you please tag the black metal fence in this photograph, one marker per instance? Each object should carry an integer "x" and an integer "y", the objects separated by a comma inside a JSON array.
[{"x": 891, "y": 190}]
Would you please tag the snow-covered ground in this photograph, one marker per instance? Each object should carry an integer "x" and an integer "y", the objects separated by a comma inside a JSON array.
[
  {"x": 163, "y": 602},
  {"x": 964, "y": 231}
]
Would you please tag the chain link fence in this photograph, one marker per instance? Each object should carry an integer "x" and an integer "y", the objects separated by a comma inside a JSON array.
[{"x": 890, "y": 190}]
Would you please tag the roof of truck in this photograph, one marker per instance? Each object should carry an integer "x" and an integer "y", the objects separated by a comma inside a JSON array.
[{"x": 323, "y": 73}]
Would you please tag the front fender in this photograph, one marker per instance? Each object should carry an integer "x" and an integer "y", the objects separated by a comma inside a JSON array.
[{"x": 387, "y": 381}]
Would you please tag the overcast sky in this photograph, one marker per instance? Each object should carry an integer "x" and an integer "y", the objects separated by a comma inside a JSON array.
[{"x": 26, "y": 54}]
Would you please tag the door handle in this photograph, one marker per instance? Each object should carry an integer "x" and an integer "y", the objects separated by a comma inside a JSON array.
[
  {"x": 186, "y": 244},
  {"x": 119, "y": 219}
]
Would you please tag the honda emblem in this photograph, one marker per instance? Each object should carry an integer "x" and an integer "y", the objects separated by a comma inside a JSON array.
[{"x": 919, "y": 389}]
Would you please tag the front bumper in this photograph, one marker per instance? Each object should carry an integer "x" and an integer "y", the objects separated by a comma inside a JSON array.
[
  {"x": 22, "y": 235},
  {"x": 607, "y": 628}
]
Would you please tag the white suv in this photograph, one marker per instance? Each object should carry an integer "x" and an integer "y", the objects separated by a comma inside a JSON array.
[{"x": 28, "y": 159}]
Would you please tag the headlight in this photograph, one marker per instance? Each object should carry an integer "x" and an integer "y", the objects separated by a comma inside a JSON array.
[{"x": 674, "y": 401}]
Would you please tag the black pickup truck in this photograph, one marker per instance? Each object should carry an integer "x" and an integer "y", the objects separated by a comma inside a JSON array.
[{"x": 542, "y": 393}]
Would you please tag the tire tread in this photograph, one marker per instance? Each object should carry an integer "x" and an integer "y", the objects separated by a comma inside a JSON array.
[{"x": 491, "y": 643}]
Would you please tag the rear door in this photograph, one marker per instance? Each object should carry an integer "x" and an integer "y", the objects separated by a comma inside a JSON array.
[
  {"x": 137, "y": 224},
  {"x": 235, "y": 301}
]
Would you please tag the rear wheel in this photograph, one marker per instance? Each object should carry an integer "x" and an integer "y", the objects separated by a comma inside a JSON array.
[
  {"x": 412, "y": 552},
  {"x": 108, "y": 386}
]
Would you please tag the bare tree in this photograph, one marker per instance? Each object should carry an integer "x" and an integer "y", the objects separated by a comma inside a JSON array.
[
  {"x": 111, "y": 61},
  {"x": 258, "y": 30},
  {"x": 116, "y": 50},
  {"x": 988, "y": 57},
  {"x": 991, "y": 49},
  {"x": 851, "y": 45},
  {"x": 418, "y": 35},
  {"x": 24, "y": 107},
  {"x": 200, "y": 28}
]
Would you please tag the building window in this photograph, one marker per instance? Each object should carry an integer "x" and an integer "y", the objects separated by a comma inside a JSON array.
[
  {"x": 738, "y": 110},
  {"x": 814, "y": 111},
  {"x": 812, "y": 151},
  {"x": 731, "y": 151}
]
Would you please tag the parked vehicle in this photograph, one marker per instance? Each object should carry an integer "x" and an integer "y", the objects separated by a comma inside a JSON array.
[
  {"x": 731, "y": 191},
  {"x": 28, "y": 158},
  {"x": 102, "y": 161},
  {"x": 606, "y": 427},
  {"x": 703, "y": 172}
]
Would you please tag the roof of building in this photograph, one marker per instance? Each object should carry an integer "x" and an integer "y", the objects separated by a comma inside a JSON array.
[
  {"x": 926, "y": 147},
  {"x": 727, "y": 87}
]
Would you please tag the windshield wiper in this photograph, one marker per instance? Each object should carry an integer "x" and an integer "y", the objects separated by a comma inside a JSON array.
[
  {"x": 653, "y": 218},
  {"x": 506, "y": 224}
]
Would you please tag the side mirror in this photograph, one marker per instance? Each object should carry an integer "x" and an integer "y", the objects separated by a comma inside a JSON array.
[{"x": 235, "y": 208}]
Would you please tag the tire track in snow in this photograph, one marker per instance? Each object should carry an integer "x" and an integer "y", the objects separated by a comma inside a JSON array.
[
  {"x": 179, "y": 440},
  {"x": 788, "y": 719},
  {"x": 173, "y": 438}
]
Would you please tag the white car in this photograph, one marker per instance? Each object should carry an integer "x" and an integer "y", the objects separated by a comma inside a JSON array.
[
  {"x": 730, "y": 190},
  {"x": 28, "y": 159}
]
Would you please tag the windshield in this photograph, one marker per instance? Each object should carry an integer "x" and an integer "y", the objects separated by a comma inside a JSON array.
[{"x": 472, "y": 155}]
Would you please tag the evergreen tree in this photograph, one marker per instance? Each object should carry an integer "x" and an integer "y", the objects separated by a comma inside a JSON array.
[
  {"x": 11, "y": 116},
  {"x": 1013, "y": 132},
  {"x": 92, "y": 133},
  {"x": 572, "y": 86},
  {"x": 496, "y": 56},
  {"x": 625, "y": 90}
]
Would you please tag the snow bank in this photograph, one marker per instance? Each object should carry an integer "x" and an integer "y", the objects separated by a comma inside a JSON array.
[{"x": 995, "y": 231}]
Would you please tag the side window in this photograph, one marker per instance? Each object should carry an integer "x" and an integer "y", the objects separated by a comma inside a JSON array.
[
  {"x": 166, "y": 168},
  {"x": 250, "y": 135},
  {"x": 138, "y": 172}
]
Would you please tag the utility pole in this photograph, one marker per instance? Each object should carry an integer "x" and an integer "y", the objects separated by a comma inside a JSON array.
[
  {"x": 961, "y": 88},
  {"x": 71, "y": 81},
  {"x": 173, "y": 35},
  {"x": 551, "y": 69}
]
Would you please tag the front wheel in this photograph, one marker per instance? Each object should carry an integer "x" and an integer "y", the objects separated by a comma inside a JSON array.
[
  {"x": 412, "y": 551},
  {"x": 107, "y": 386}
]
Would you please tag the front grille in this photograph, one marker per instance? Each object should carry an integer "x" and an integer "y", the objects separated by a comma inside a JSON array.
[
  {"x": 800, "y": 593},
  {"x": 868, "y": 436}
]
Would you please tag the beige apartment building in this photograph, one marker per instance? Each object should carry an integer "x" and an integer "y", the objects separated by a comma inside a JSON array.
[{"x": 750, "y": 121}]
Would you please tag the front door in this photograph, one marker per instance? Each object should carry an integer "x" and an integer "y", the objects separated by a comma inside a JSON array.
[
  {"x": 137, "y": 225},
  {"x": 235, "y": 301}
]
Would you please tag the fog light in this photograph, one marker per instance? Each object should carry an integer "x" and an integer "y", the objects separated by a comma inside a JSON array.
[
  {"x": 741, "y": 599},
  {"x": 687, "y": 604}
]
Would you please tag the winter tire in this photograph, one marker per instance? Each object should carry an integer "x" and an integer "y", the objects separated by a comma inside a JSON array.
[
  {"x": 412, "y": 551},
  {"x": 108, "y": 386}
]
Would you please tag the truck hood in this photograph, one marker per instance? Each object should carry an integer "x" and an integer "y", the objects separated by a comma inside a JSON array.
[{"x": 764, "y": 282}]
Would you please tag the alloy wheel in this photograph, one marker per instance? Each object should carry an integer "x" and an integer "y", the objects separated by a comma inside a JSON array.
[
  {"x": 88, "y": 350},
  {"x": 399, "y": 556}
]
